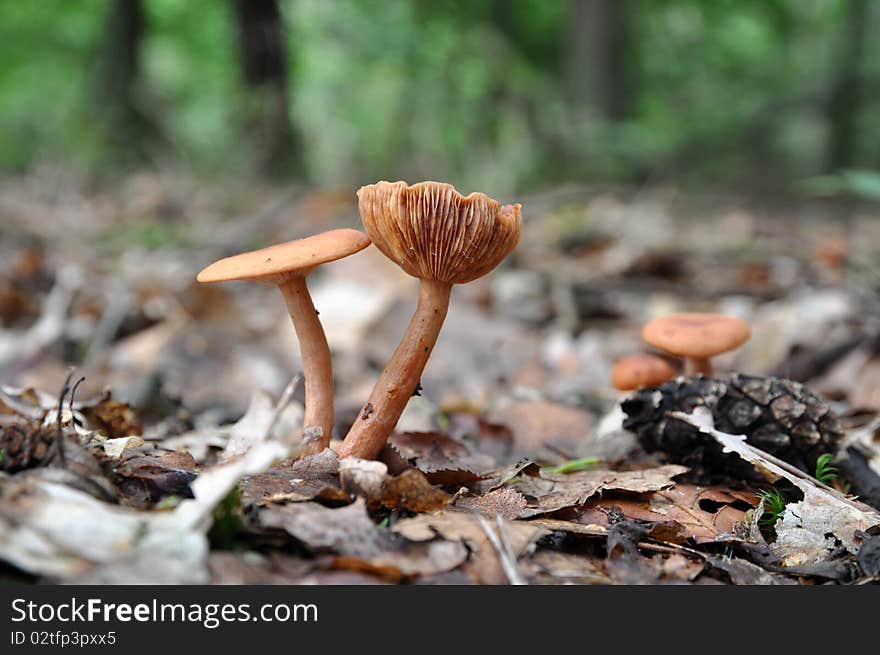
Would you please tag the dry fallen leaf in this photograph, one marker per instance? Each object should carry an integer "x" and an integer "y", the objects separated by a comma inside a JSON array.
[
  {"x": 409, "y": 491},
  {"x": 310, "y": 477},
  {"x": 485, "y": 566},
  {"x": 113, "y": 418},
  {"x": 743, "y": 572},
  {"x": 343, "y": 530},
  {"x": 412, "y": 491},
  {"x": 705, "y": 514},
  {"x": 144, "y": 479},
  {"x": 443, "y": 459},
  {"x": 506, "y": 503},
  {"x": 549, "y": 492},
  {"x": 496, "y": 478},
  {"x": 349, "y": 534},
  {"x": 252, "y": 568},
  {"x": 551, "y": 567}
]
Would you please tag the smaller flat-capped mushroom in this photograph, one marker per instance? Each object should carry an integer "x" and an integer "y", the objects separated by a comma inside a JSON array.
[
  {"x": 287, "y": 265},
  {"x": 443, "y": 238},
  {"x": 641, "y": 370},
  {"x": 697, "y": 337}
]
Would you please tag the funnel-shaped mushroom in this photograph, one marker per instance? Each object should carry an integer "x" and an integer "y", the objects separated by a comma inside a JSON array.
[
  {"x": 697, "y": 337},
  {"x": 443, "y": 238},
  {"x": 641, "y": 370},
  {"x": 287, "y": 265}
]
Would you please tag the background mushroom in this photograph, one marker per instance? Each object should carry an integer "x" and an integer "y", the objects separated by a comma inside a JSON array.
[
  {"x": 697, "y": 337},
  {"x": 443, "y": 238},
  {"x": 287, "y": 265},
  {"x": 641, "y": 370}
]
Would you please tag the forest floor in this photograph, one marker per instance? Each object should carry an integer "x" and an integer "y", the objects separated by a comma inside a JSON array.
[{"x": 180, "y": 446}]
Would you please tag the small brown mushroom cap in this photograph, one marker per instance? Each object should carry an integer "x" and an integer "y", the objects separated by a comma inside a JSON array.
[
  {"x": 641, "y": 370},
  {"x": 279, "y": 262},
  {"x": 696, "y": 335},
  {"x": 434, "y": 233}
]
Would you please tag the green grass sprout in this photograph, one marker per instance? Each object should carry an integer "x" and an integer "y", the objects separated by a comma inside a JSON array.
[
  {"x": 573, "y": 465},
  {"x": 826, "y": 472},
  {"x": 774, "y": 507}
]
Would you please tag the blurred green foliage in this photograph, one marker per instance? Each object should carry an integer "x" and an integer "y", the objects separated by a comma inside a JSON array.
[{"x": 474, "y": 91}]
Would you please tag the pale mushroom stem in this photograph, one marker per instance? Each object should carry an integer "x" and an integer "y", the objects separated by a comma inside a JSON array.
[
  {"x": 317, "y": 365},
  {"x": 697, "y": 366},
  {"x": 401, "y": 376}
]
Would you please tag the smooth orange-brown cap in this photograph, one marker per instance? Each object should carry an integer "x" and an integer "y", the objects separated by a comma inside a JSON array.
[
  {"x": 641, "y": 370},
  {"x": 285, "y": 260},
  {"x": 434, "y": 233},
  {"x": 696, "y": 335}
]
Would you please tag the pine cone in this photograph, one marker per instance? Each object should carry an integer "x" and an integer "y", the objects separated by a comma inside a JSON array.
[
  {"x": 779, "y": 416},
  {"x": 25, "y": 445}
]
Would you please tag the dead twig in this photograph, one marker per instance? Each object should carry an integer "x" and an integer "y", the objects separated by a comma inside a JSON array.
[
  {"x": 59, "y": 430},
  {"x": 502, "y": 546}
]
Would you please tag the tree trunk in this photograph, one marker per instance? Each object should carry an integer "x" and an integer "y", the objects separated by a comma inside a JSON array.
[
  {"x": 119, "y": 70},
  {"x": 598, "y": 71},
  {"x": 846, "y": 88},
  {"x": 263, "y": 60}
]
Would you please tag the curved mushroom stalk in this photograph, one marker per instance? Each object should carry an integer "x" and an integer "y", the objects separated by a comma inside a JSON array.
[
  {"x": 316, "y": 362},
  {"x": 401, "y": 376}
]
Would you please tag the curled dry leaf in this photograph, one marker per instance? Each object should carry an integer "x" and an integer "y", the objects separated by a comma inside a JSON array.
[
  {"x": 308, "y": 478},
  {"x": 443, "y": 459},
  {"x": 549, "y": 492},
  {"x": 144, "y": 480}
]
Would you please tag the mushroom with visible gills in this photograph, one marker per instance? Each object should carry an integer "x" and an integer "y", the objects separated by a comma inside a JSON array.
[
  {"x": 443, "y": 238},
  {"x": 697, "y": 337},
  {"x": 641, "y": 370},
  {"x": 287, "y": 265}
]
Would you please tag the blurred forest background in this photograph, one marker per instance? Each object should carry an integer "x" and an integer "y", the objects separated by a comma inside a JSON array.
[{"x": 773, "y": 96}]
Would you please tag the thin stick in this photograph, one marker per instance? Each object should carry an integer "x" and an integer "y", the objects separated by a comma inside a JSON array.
[
  {"x": 283, "y": 402},
  {"x": 505, "y": 553},
  {"x": 59, "y": 432}
]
